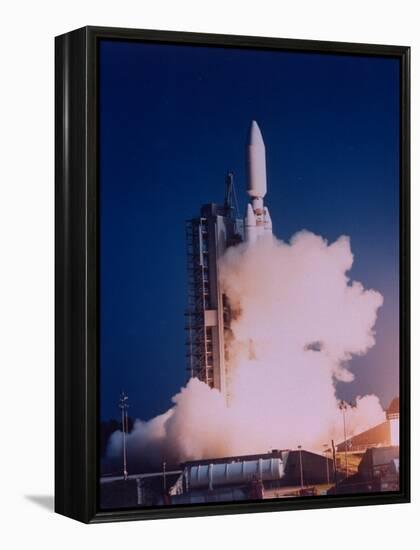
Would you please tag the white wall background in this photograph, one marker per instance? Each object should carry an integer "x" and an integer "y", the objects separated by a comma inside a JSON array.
[{"x": 26, "y": 275}]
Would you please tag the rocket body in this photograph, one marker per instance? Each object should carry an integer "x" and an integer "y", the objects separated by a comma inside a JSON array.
[{"x": 257, "y": 219}]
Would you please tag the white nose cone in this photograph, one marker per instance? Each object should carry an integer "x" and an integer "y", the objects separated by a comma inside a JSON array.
[{"x": 257, "y": 178}]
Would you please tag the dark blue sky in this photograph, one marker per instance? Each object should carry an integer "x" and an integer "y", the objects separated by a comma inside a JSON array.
[{"x": 173, "y": 120}]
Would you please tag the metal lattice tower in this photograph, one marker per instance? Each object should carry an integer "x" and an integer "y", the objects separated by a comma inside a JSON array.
[
  {"x": 208, "y": 313},
  {"x": 198, "y": 300}
]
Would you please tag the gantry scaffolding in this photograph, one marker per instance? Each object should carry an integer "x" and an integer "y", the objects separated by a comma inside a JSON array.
[
  {"x": 199, "y": 351},
  {"x": 208, "y": 314}
]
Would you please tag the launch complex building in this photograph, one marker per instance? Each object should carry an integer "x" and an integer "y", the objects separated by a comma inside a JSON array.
[
  {"x": 366, "y": 462},
  {"x": 218, "y": 227}
]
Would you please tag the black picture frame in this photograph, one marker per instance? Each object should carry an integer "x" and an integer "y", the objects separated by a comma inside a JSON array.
[{"x": 76, "y": 273}]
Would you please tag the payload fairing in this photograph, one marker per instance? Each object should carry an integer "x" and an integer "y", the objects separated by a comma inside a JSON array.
[{"x": 257, "y": 217}]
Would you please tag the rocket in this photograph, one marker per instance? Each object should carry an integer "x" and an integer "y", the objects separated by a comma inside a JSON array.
[{"x": 257, "y": 217}]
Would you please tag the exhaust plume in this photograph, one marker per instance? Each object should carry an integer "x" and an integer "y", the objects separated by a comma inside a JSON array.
[{"x": 298, "y": 320}]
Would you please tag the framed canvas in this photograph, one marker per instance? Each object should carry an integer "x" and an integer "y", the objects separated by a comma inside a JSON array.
[{"x": 232, "y": 274}]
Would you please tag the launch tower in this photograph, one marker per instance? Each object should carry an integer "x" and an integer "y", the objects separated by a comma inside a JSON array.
[
  {"x": 217, "y": 227},
  {"x": 208, "y": 314}
]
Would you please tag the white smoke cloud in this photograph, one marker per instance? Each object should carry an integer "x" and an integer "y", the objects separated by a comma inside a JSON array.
[{"x": 299, "y": 320}]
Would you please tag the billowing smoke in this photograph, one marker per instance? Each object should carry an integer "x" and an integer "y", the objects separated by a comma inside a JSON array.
[{"x": 297, "y": 321}]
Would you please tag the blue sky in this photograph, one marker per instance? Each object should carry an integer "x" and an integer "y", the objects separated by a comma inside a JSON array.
[{"x": 173, "y": 120}]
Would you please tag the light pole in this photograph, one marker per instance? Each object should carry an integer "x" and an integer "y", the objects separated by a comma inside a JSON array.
[
  {"x": 343, "y": 407},
  {"x": 301, "y": 467},
  {"x": 164, "y": 476},
  {"x": 334, "y": 465},
  {"x": 123, "y": 405},
  {"x": 327, "y": 463}
]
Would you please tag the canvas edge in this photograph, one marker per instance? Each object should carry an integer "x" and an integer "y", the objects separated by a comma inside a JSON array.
[{"x": 76, "y": 273}]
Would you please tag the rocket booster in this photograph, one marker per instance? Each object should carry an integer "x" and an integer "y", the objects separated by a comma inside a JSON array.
[
  {"x": 250, "y": 225},
  {"x": 257, "y": 218}
]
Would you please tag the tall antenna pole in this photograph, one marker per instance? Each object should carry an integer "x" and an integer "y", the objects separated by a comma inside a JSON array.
[
  {"x": 229, "y": 190},
  {"x": 343, "y": 406},
  {"x": 123, "y": 405},
  {"x": 334, "y": 465}
]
